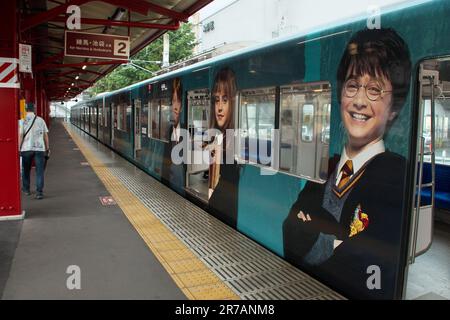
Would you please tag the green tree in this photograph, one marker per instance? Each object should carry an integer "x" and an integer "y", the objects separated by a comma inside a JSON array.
[{"x": 182, "y": 42}]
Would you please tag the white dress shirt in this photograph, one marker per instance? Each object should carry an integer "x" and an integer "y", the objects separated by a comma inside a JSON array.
[
  {"x": 176, "y": 133},
  {"x": 361, "y": 158}
]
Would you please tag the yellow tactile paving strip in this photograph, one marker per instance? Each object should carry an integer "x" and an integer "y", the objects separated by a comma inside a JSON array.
[{"x": 189, "y": 273}]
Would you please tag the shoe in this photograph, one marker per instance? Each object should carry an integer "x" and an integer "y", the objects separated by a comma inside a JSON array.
[
  {"x": 39, "y": 196},
  {"x": 27, "y": 192}
]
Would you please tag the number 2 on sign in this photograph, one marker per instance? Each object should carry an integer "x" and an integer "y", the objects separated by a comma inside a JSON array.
[{"x": 121, "y": 48}]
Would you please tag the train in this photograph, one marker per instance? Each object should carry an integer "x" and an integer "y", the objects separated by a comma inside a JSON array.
[{"x": 311, "y": 145}]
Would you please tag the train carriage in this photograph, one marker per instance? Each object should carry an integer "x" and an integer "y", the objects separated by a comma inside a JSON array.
[{"x": 285, "y": 106}]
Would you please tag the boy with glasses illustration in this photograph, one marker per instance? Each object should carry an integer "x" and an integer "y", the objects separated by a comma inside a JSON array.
[{"x": 339, "y": 229}]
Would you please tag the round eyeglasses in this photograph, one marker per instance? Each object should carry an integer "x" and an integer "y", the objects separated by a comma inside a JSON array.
[{"x": 372, "y": 89}]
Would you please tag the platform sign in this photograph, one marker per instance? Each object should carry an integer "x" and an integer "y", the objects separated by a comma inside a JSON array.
[
  {"x": 93, "y": 45},
  {"x": 25, "y": 58}
]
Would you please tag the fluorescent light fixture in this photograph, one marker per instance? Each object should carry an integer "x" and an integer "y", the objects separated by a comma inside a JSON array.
[
  {"x": 73, "y": 84},
  {"x": 84, "y": 67},
  {"x": 77, "y": 77}
]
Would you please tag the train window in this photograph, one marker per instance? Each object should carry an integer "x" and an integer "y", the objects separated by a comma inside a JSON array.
[
  {"x": 126, "y": 124},
  {"x": 324, "y": 118},
  {"x": 92, "y": 110},
  {"x": 100, "y": 115},
  {"x": 256, "y": 122},
  {"x": 154, "y": 119},
  {"x": 103, "y": 108},
  {"x": 119, "y": 117},
  {"x": 307, "y": 122},
  {"x": 159, "y": 119},
  {"x": 165, "y": 119},
  {"x": 305, "y": 130},
  {"x": 115, "y": 114},
  {"x": 106, "y": 115},
  {"x": 439, "y": 69},
  {"x": 123, "y": 112}
]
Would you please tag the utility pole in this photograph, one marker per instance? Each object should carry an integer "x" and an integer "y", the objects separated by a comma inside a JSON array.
[{"x": 166, "y": 48}]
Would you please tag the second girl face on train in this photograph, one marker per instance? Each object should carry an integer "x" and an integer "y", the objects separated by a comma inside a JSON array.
[
  {"x": 176, "y": 109},
  {"x": 366, "y": 109},
  {"x": 222, "y": 107}
]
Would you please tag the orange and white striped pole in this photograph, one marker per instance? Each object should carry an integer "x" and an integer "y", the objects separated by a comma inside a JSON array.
[{"x": 8, "y": 73}]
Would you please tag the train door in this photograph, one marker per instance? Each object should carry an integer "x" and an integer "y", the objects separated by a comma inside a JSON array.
[
  {"x": 113, "y": 122},
  {"x": 96, "y": 128},
  {"x": 107, "y": 122},
  {"x": 137, "y": 128},
  {"x": 99, "y": 121},
  {"x": 433, "y": 141},
  {"x": 307, "y": 140},
  {"x": 322, "y": 134},
  {"x": 198, "y": 124},
  {"x": 88, "y": 119},
  {"x": 93, "y": 125}
]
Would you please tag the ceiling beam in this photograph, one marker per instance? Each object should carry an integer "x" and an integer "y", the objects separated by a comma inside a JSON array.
[
  {"x": 127, "y": 24},
  {"x": 81, "y": 64},
  {"x": 148, "y": 6},
  {"x": 79, "y": 80},
  {"x": 140, "y": 6},
  {"x": 80, "y": 70}
]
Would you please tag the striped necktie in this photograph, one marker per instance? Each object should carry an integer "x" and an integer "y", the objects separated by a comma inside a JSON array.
[{"x": 347, "y": 172}]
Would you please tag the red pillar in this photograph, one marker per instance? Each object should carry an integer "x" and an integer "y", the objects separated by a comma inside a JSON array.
[
  {"x": 39, "y": 103},
  {"x": 29, "y": 87},
  {"x": 10, "y": 207}
]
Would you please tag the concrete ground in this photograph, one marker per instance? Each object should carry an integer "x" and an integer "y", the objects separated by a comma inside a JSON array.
[{"x": 70, "y": 227}]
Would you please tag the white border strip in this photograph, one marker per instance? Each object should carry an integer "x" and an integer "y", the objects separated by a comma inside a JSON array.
[
  {"x": 10, "y": 60},
  {"x": 16, "y": 217},
  {"x": 10, "y": 85},
  {"x": 326, "y": 36}
]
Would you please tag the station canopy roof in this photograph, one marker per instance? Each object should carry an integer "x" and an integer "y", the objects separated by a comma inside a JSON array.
[{"x": 43, "y": 25}]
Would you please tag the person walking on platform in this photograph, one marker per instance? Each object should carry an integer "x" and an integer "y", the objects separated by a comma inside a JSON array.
[{"x": 34, "y": 143}]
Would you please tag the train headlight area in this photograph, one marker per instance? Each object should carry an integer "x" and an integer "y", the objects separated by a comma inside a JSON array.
[{"x": 314, "y": 167}]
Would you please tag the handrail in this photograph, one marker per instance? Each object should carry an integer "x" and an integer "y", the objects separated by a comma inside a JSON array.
[
  {"x": 421, "y": 162},
  {"x": 417, "y": 211}
]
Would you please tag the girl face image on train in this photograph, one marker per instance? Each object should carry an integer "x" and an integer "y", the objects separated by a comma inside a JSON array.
[
  {"x": 222, "y": 106},
  {"x": 176, "y": 108},
  {"x": 366, "y": 109}
]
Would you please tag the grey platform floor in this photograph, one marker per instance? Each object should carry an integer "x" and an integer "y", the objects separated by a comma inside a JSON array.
[
  {"x": 429, "y": 276},
  {"x": 71, "y": 227}
]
